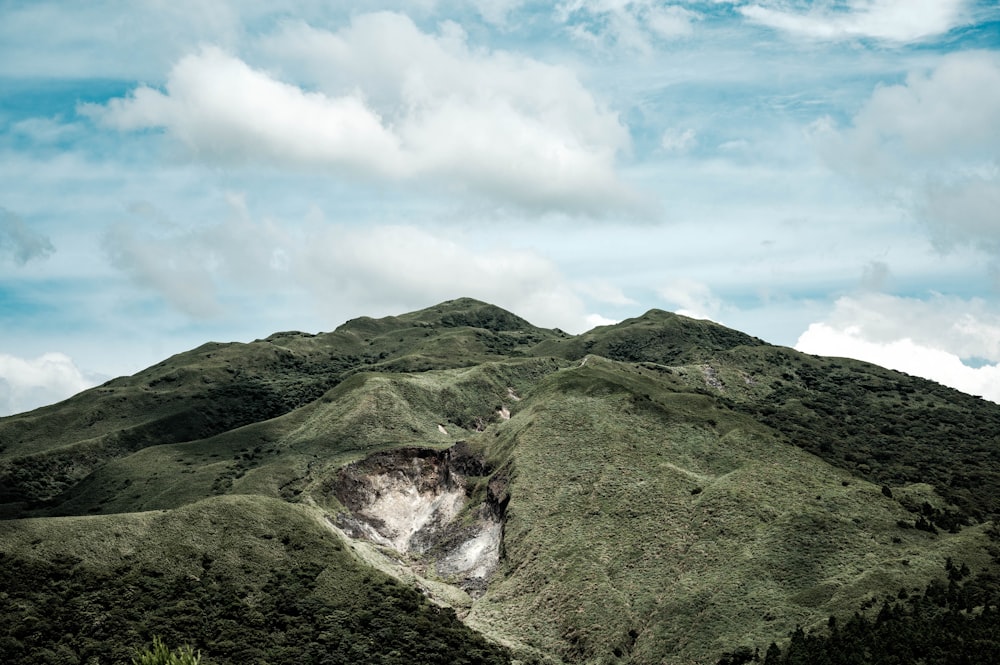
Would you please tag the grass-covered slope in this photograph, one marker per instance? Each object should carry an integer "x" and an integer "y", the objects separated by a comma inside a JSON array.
[
  {"x": 885, "y": 426},
  {"x": 243, "y": 579},
  {"x": 650, "y": 525},
  {"x": 669, "y": 490},
  {"x": 218, "y": 388},
  {"x": 656, "y": 336},
  {"x": 295, "y": 453}
]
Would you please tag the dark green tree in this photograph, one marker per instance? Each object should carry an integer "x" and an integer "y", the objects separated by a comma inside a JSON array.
[{"x": 773, "y": 655}]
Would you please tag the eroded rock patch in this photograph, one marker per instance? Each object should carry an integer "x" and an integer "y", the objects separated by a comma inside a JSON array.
[{"x": 417, "y": 502}]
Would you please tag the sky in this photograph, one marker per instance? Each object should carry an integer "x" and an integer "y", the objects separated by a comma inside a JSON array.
[{"x": 823, "y": 175}]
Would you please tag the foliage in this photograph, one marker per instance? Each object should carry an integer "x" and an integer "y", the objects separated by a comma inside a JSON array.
[
  {"x": 160, "y": 654},
  {"x": 951, "y": 623},
  {"x": 889, "y": 428},
  {"x": 301, "y": 611},
  {"x": 219, "y": 388}
]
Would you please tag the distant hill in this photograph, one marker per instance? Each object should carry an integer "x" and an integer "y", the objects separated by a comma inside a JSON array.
[{"x": 456, "y": 483}]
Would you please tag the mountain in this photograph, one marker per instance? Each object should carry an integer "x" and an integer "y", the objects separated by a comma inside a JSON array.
[{"x": 458, "y": 485}]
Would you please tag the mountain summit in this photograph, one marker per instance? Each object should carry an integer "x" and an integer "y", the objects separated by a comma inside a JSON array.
[{"x": 660, "y": 490}]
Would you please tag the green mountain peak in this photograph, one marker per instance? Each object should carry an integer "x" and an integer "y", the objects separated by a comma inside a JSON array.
[{"x": 664, "y": 489}]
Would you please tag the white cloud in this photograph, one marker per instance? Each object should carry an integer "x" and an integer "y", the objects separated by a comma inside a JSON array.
[
  {"x": 46, "y": 130},
  {"x": 968, "y": 328},
  {"x": 496, "y": 12},
  {"x": 399, "y": 267},
  {"x": 595, "y": 320},
  {"x": 888, "y": 20},
  {"x": 20, "y": 241},
  {"x": 26, "y": 384},
  {"x": 669, "y": 21},
  {"x": 395, "y": 104},
  {"x": 691, "y": 298},
  {"x": 874, "y": 276},
  {"x": 964, "y": 213},
  {"x": 109, "y": 39},
  {"x": 946, "y": 113},
  {"x": 932, "y": 144},
  {"x": 182, "y": 278},
  {"x": 926, "y": 338},
  {"x": 735, "y": 145},
  {"x": 192, "y": 268},
  {"x": 208, "y": 270},
  {"x": 634, "y": 25},
  {"x": 223, "y": 110},
  {"x": 678, "y": 140},
  {"x": 604, "y": 292},
  {"x": 904, "y": 355}
]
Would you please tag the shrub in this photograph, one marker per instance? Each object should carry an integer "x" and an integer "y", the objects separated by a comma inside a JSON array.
[{"x": 159, "y": 654}]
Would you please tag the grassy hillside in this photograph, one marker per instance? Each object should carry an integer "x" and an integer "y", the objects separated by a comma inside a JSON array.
[
  {"x": 294, "y": 453},
  {"x": 243, "y": 579},
  {"x": 656, "y": 336},
  {"x": 667, "y": 490},
  {"x": 650, "y": 525},
  {"x": 217, "y": 388}
]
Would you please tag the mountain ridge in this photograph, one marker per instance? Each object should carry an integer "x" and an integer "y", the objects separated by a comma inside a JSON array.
[{"x": 661, "y": 488}]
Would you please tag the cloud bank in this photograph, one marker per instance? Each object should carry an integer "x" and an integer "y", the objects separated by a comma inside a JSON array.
[
  {"x": 691, "y": 298},
  {"x": 427, "y": 109},
  {"x": 888, "y": 20},
  {"x": 932, "y": 143},
  {"x": 929, "y": 338},
  {"x": 632, "y": 25},
  {"x": 387, "y": 268},
  {"x": 26, "y": 384}
]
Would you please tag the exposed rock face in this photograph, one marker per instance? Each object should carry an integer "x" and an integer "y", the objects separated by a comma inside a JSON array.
[{"x": 412, "y": 500}]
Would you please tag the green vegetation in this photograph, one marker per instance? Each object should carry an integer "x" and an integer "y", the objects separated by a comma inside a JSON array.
[
  {"x": 242, "y": 579},
  {"x": 891, "y": 429},
  {"x": 646, "y": 523},
  {"x": 670, "y": 490},
  {"x": 951, "y": 622},
  {"x": 160, "y": 654},
  {"x": 218, "y": 388}
]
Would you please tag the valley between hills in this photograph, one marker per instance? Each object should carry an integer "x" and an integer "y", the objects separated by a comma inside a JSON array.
[{"x": 456, "y": 485}]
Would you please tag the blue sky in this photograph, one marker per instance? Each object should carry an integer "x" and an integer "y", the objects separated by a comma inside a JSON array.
[{"x": 824, "y": 175}]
